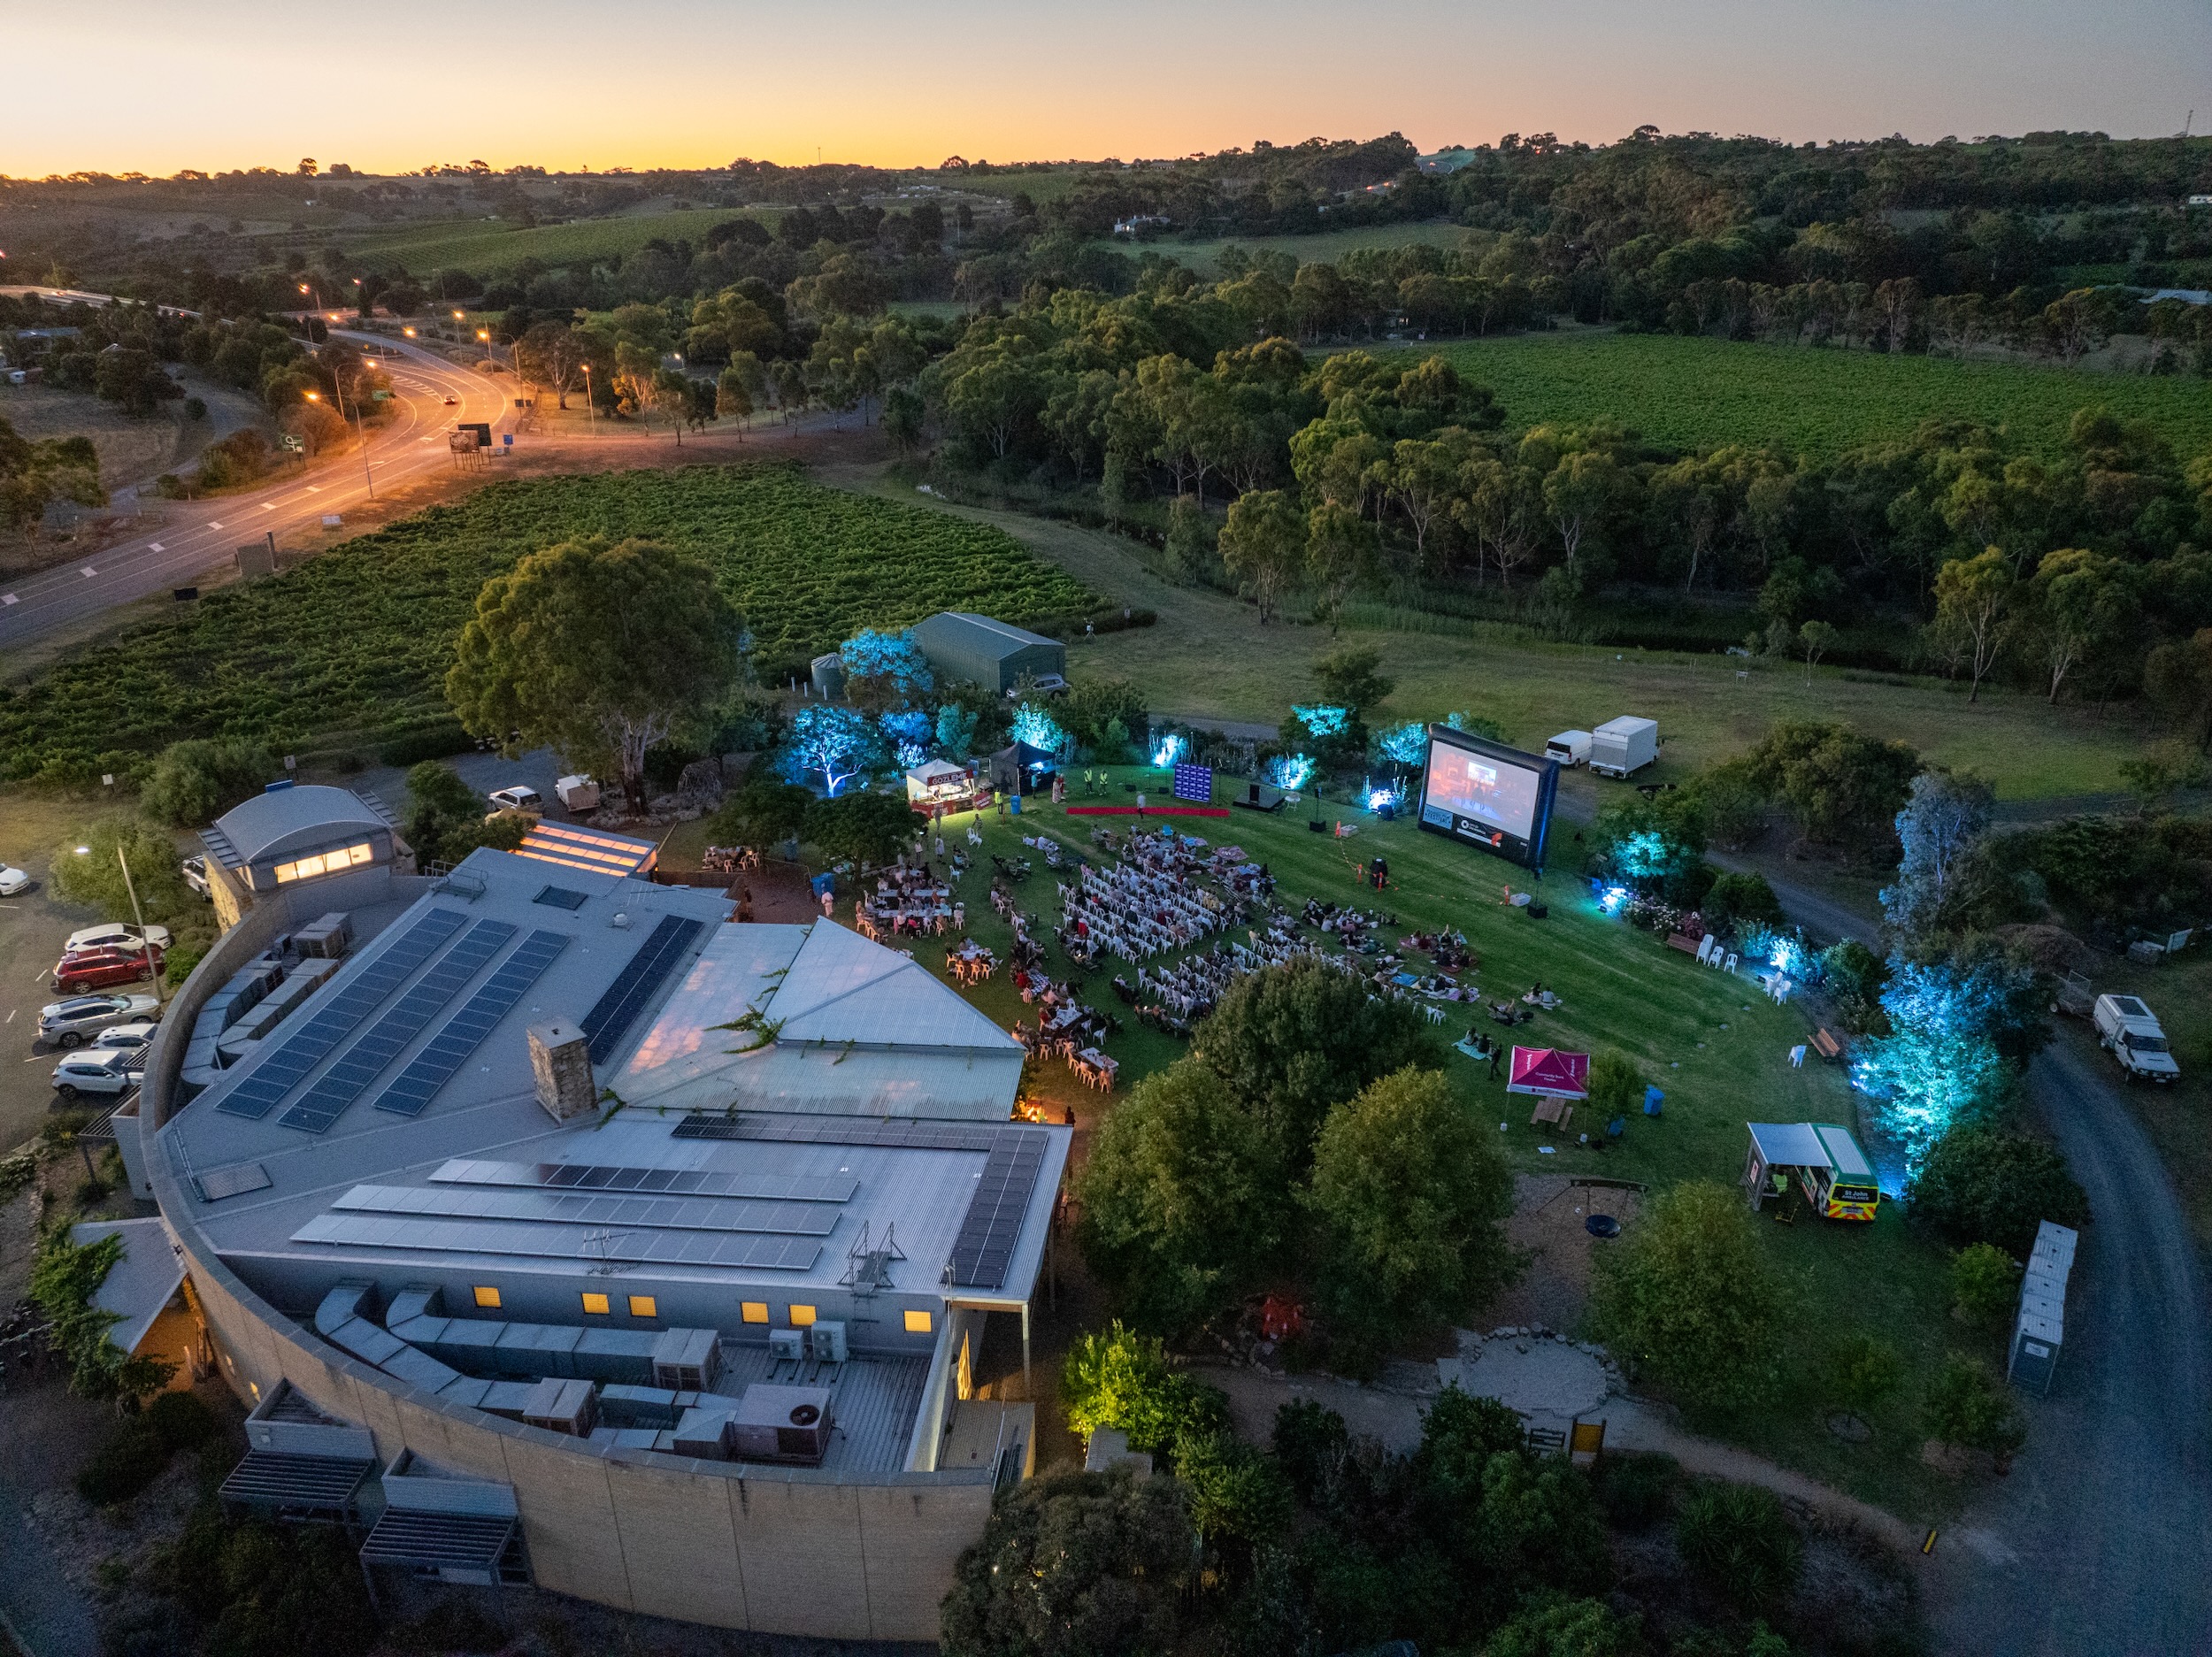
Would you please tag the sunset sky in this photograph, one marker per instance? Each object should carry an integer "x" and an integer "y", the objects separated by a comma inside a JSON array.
[{"x": 154, "y": 86}]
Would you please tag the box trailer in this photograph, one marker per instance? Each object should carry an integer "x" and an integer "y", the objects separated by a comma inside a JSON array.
[
  {"x": 1570, "y": 748},
  {"x": 1623, "y": 747},
  {"x": 578, "y": 794}
]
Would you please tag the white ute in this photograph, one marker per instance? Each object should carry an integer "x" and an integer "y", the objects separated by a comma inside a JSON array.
[{"x": 2129, "y": 1030}]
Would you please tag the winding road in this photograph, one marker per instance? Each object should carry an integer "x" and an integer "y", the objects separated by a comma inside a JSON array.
[{"x": 200, "y": 534}]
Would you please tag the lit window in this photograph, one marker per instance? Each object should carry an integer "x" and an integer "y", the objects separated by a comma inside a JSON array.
[
  {"x": 486, "y": 1296},
  {"x": 802, "y": 1316},
  {"x": 326, "y": 863},
  {"x": 753, "y": 1311},
  {"x": 917, "y": 1322},
  {"x": 644, "y": 1305},
  {"x": 597, "y": 1304}
]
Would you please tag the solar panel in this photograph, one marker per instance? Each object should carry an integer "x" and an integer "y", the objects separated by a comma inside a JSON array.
[
  {"x": 676, "y": 1181},
  {"x": 234, "y": 1181},
  {"x": 560, "y": 898},
  {"x": 550, "y": 1242},
  {"x": 985, "y": 1248},
  {"x": 433, "y": 1068},
  {"x": 280, "y": 1071},
  {"x": 665, "y": 1214},
  {"x": 894, "y": 1135},
  {"x": 614, "y": 1012},
  {"x": 359, "y": 1064}
]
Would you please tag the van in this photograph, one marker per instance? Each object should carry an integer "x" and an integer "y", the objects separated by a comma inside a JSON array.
[{"x": 1570, "y": 748}]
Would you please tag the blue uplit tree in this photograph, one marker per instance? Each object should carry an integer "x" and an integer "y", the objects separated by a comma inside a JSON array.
[
  {"x": 885, "y": 669},
  {"x": 907, "y": 733},
  {"x": 1290, "y": 772},
  {"x": 1957, "y": 1027},
  {"x": 1941, "y": 821},
  {"x": 1323, "y": 720},
  {"x": 1406, "y": 744},
  {"x": 834, "y": 744},
  {"x": 1170, "y": 748},
  {"x": 1038, "y": 728},
  {"x": 956, "y": 730}
]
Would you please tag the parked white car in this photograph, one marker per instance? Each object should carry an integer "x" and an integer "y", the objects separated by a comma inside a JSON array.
[
  {"x": 129, "y": 1038},
  {"x": 12, "y": 880},
  {"x": 517, "y": 799},
  {"x": 2128, "y": 1029},
  {"x": 195, "y": 872},
  {"x": 70, "y": 1024},
  {"x": 116, "y": 935},
  {"x": 100, "y": 1074}
]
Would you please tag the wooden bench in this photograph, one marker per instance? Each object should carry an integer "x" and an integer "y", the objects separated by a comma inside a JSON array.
[
  {"x": 1683, "y": 942},
  {"x": 1826, "y": 1044}
]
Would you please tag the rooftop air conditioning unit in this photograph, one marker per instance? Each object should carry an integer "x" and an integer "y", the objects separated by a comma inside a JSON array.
[
  {"x": 828, "y": 1341},
  {"x": 786, "y": 1343},
  {"x": 782, "y": 1423}
]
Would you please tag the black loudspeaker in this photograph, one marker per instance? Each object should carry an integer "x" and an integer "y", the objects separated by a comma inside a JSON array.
[
  {"x": 1317, "y": 825},
  {"x": 1538, "y": 911}
]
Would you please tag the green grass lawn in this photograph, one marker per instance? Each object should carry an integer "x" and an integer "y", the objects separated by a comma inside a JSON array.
[
  {"x": 1696, "y": 392},
  {"x": 1207, "y": 656},
  {"x": 482, "y": 246},
  {"x": 1714, "y": 1043}
]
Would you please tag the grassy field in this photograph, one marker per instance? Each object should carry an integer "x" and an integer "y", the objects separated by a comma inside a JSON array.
[
  {"x": 1696, "y": 392},
  {"x": 128, "y": 450},
  {"x": 1208, "y": 657},
  {"x": 1718, "y": 1048},
  {"x": 353, "y": 646},
  {"x": 482, "y": 246},
  {"x": 1322, "y": 246}
]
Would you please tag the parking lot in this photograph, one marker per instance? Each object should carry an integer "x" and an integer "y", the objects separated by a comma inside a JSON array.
[{"x": 33, "y": 925}]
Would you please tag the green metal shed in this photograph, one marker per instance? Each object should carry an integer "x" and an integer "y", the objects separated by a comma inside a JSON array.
[{"x": 964, "y": 647}]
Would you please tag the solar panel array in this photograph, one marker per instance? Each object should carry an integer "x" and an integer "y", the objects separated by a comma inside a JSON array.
[
  {"x": 359, "y": 1064},
  {"x": 282, "y": 1070},
  {"x": 678, "y": 1181},
  {"x": 571, "y": 1207},
  {"x": 234, "y": 1181},
  {"x": 985, "y": 1248},
  {"x": 900, "y": 1135},
  {"x": 548, "y": 1240},
  {"x": 614, "y": 1012},
  {"x": 434, "y": 1067}
]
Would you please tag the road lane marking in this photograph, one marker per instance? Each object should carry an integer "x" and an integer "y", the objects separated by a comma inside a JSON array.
[
  {"x": 314, "y": 488},
  {"x": 9, "y": 598},
  {"x": 211, "y": 524},
  {"x": 155, "y": 546},
  {"x": 268, "y": 506},
  {"x": 87, "y": 571}
]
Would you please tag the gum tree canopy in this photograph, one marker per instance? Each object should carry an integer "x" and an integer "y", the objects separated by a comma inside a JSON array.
[{"x": 595, "y": 649}]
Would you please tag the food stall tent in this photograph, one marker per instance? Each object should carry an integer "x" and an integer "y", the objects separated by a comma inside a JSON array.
[{"x": 939, "y": 782}]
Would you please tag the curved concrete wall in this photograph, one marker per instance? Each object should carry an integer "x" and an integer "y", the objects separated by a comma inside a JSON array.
[{"x": 780, "y": 1550}]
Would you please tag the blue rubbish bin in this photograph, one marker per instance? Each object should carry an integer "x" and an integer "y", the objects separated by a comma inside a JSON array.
[
  {"x": 1015, "y": 805},
  {"x": 1652, "y": 1100}
]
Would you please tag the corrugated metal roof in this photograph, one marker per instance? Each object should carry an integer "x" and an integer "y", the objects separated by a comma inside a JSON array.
[
  {"x": 985, "y": 633},
  {"x": 246, "y": 832},
  {"x": 138, "y": 1285}
]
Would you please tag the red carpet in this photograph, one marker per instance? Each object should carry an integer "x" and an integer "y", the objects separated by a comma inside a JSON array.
[{"x": 1150, "y": 810}]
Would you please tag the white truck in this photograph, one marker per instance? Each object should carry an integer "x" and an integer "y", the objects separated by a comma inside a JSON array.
[
  {"x": 1623, "y": 747},
  {"x": 2128, "y": 1029}
]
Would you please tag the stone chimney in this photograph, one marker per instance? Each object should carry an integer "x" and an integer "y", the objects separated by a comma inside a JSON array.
[{"x": 560, "y": 1059}]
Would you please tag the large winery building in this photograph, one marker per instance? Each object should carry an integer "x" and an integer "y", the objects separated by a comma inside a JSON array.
[{"x": 557, "y": 1228}]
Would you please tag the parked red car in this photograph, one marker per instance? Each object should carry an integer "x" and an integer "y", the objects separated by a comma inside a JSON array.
[{"x": 98, "y": 969}]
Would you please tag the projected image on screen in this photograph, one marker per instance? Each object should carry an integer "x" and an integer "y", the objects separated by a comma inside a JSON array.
[{"x": 1479, "y": 788}]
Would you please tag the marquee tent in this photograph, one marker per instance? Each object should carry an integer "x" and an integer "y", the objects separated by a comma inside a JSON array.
[{"x": 1549, "y": 1072}]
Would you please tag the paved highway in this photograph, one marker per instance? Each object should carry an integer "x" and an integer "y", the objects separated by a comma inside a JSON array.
[{"x": 197, "y": 535}]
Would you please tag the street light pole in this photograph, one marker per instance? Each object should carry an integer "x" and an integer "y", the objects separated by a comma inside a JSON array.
[
  {"x": 591, "y": 414},
  {"x": 139, "y": 915}
]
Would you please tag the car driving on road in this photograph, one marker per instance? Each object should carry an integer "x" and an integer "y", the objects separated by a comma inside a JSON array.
[
  {"x": 103, "y": 1074},
  {"x": 69, "y": 1024}
]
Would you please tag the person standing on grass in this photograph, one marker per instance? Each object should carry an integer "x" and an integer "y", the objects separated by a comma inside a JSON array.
[{"x": 1497, "y": 1052}]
